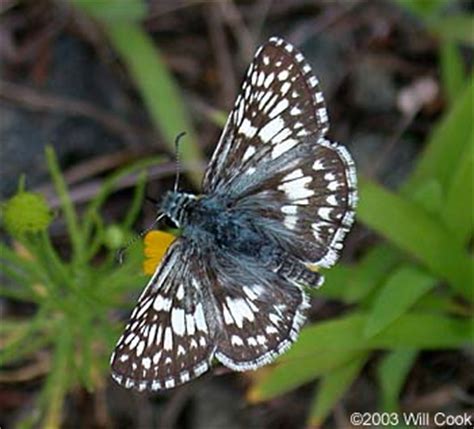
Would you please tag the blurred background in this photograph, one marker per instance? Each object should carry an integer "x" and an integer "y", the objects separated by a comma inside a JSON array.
[{"x": 92, "y": 96}]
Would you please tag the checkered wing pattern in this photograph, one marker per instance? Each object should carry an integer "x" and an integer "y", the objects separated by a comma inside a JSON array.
[
  {"x": 312, "y": 197},
  {"x": 168, "y": 339},
  {"x": 260, "y": 315},
  {"x": 280, "y": 105},
  {"x": 274, "y": 160}
]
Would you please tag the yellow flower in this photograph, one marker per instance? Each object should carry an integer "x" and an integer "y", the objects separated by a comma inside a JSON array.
[{"x": 156, "y": 245}]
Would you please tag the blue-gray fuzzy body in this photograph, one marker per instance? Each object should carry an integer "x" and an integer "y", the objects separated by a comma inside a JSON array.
[{"x": 212, "y": 223}]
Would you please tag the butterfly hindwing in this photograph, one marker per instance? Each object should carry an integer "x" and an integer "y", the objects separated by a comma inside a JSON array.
[{"x": 260, "y": 315}]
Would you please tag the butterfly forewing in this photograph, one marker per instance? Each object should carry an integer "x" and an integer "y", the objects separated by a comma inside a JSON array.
[
  {"x": 273, "y": 158},
  {"x": 168, "y": 340},
  {"x": 279, "y": 106}
]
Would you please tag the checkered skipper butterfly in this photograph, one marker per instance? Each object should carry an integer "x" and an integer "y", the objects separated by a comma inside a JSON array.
[{"x": 278, "y": 198}]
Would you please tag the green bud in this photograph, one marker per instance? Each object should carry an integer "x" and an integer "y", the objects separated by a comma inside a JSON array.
[
  {"x": 114, "y": 237},
  {"x": 26, "y": 212}
]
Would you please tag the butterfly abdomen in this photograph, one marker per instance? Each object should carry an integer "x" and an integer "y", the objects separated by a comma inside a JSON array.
[{"x": 296, "y": 272}]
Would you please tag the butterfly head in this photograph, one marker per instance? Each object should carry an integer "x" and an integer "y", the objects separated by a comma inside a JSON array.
[{"x": 174, "y": 205}]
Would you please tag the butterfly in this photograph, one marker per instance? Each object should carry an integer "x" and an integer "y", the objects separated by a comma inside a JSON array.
[{"x": 278, "y": 198}]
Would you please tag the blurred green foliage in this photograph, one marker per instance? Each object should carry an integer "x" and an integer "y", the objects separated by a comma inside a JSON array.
[
  {"x": 414, "y": 291},
  {"x": 74, "y": 296},
  {"x": 436, "y": 15},
  {"x": 120, "y": 21}
]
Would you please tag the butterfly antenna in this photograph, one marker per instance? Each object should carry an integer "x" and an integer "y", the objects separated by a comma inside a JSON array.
[
  {"x": 178, "y": 159},
  {"x": 121, "y": 252}
]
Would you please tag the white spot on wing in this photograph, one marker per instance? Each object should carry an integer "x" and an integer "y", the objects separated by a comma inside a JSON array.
[
  {"x": 271, "y": 128},
  {"x": 290, "y": 209},
  {"x": 283, "y": 75},
  {"x": 296, "y": 174},
  {"x": 190, "y": 327},
  {"x": 283, "y": 147},
  {"x": 269, "y": 79},
  {"x": 140, "y": 347},
  {"x": 236, "y": 340},
  {"x": 296, "y": 189},
  {"x": 318, "y": 165},
  {"x": 324, "y": 213},
  {"x": 200, "y": 320},
  {"x": 279, "y": 108},
  {"x": 248, "y": 153},
  {"x": 177, "y": 321},
  {"x": 168, "y": 343},
  {"x": 247, "y": 129},
  {"x": 146, "y": 362},
  {"x": 290, "y": 221}
]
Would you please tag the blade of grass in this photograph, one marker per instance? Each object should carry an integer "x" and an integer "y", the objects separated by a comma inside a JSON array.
[
  {"x": 157, "y": 88},
  {"x": 352, "y": 284},
  {"x": 67, "y": 206},
  {"x": 401, "y": 290},
  {"x": 447, "y": 143},
  {"x": 327, "y": 345},
  {"x": 408, "y": 331},
  {"x": 332, "y": 387},
  {"x": 458, "y": 210},
  {"x": 114, "y": 10},
  {"x": 288, "y": 375},
  {"x": 413, "y": 230},
  {"x": 456, "y": 28},
  {"x": 452, "y": 70},
  {"x": 137, "y": 202},
  {"x": 392, "y": 372},
  {"x": 54, "y": 392}
]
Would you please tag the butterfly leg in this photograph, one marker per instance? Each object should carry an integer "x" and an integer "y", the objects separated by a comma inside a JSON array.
[{"x": 296, "y": 272}]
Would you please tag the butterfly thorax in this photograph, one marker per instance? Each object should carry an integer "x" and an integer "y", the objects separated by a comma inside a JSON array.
[
  {"x": 208, "y": 219},
  {"x": 175, "y": 205}
]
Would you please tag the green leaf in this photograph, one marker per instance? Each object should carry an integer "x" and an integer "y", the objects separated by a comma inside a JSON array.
[
  {"x": 454, "y": 28},
  {"x": 291, "y": 373},
  {"x": 55, "y": 390},
  {"x": 114, "y": 10},
  {"x": 353, "y": 283},
  {"x": 67, "y": 206},
  {"x": 429, "y": 195},
  {"x": 137, "y": 202},
  {"x": 331, "y": 388},
  {"x": 325, "y": 346},
  {"x": 452, "y": 70},
  {"x": 157, "y": 88},
  {"x": 414, "y": 231},
  {"x": 446, "y": 145},
  {"x": 391, "y": 373},
  {"x": 408, "y": 331},
  {"x": 422, "y": 8},
  {"x": 402, "y": 289},
  {"x": 458, "y": 210}
]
